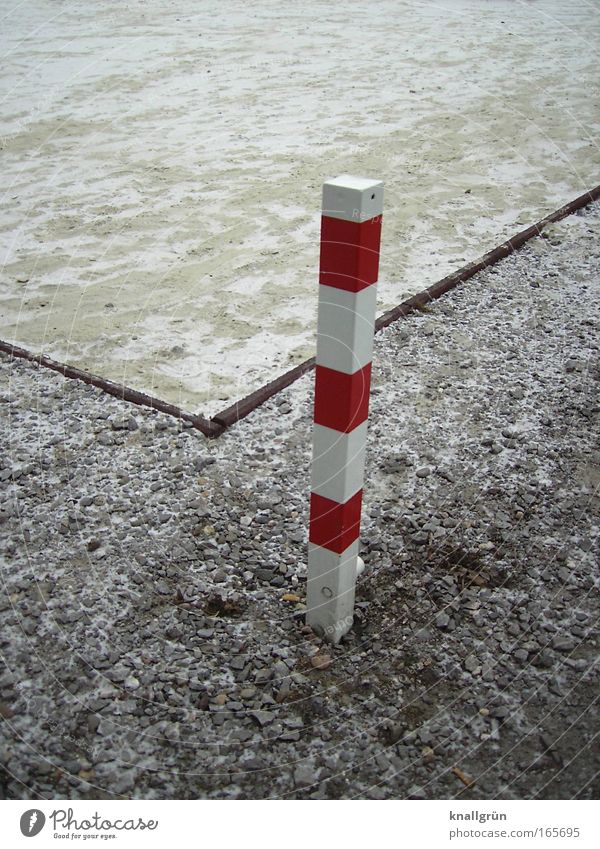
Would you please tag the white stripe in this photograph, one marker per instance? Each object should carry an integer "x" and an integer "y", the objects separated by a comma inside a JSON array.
[
  {"x": 352, "y": 198},
  {"x": 330, "y": 590},
  {"x": 346, "y": 322},
  {"x": 338, "y": 462}
]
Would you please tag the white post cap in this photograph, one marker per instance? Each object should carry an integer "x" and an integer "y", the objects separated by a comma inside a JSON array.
[{"x": 352, "y": 198}]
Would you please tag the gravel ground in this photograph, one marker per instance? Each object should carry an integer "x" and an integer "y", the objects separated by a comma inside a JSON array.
[{"x": 152, "y": 620}]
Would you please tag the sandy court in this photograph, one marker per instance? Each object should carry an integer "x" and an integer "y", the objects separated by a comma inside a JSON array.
[{"x": 162, "y": 165}]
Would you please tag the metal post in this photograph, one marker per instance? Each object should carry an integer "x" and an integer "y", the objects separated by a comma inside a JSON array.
[{"x": 349, "y": 266}]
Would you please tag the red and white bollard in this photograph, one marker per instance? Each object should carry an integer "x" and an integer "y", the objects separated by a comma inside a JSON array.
[{"x": 349, "y": 266}]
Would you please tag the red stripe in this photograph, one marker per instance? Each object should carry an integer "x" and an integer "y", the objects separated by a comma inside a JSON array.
[
  {"x": 349, "y": 253},
  {"x": 332, "y": 525},
  {"x": 342, "y": 400}
]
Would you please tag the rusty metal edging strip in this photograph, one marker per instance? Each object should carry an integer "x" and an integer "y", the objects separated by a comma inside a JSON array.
[
  {"x": 246, "y": 405},
  {"x": 241, "y": 408},
  {"x": 216, "y": 425},
  {"x": 207, "y": 427},
  {"x": 467, "y": 271}
]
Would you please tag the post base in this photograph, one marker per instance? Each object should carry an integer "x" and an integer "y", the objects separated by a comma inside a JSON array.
[{"x": 330, "y": 590}]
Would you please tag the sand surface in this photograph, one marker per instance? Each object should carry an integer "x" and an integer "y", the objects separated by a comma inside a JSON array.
[{"x": 162, "y": 166}]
